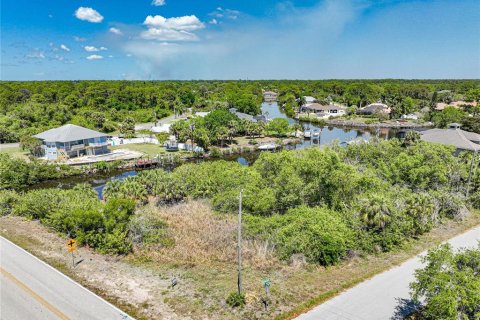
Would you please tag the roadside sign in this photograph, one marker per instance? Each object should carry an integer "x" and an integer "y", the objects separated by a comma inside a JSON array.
[{"x": 71, "y": 245}]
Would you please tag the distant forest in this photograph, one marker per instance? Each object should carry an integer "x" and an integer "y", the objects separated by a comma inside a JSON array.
[{"x": 27, "y": 108}]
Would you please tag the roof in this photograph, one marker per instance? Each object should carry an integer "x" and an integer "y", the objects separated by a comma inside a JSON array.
[
  {"x": 269, "y": 93},
  {"x": 322, "y": 107},
  {"x": 456, "y": 137},
  {"x": 374, "y": 107},
  {"x": 309, "y": 99},
  {"x": 69, "y": 132}
]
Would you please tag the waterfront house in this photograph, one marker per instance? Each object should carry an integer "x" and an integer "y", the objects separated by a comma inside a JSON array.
[
  {"x": 245, "y": 116},
  {"x": 71, "y": 141},
  {"x": 269, "y": 96},
  {"x": 374, "y": 108},
  {"x": 461, "y": 139},
  {"x": 323, "y": 111}
]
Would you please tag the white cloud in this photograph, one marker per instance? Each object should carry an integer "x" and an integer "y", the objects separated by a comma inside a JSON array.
[
  {"x": 115, "y": 31},
  {"x": 158, "y": 3},
  {"x": 186, "y": 23},
  {"x": 168, "y": 35},
  {"x": 35, "y": 54},
  {"x": 213, "y": 21},
  {"x": 171, "y": 29},
  {"x": 79, "y": 39},
  {"x": 94, "y": 49},
  {"x": 88, "y": 14},
  {"x": 64, "y": 47},
  {"x": 94, "y": 57}
]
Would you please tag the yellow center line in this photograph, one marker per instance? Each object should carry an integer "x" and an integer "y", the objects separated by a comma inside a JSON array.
[{"x": 34, "y": 295}]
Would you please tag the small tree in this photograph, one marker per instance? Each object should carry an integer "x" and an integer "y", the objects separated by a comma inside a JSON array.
[
  {"x": 32, "y": 144},
  {"x": 449, "y": 284}
]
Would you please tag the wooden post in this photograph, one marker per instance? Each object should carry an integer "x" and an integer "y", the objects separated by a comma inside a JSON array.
[{"x": 239, "y": 243}]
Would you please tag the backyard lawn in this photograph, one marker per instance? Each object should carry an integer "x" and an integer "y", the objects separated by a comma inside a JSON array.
[{"x": 16, "y": 152}]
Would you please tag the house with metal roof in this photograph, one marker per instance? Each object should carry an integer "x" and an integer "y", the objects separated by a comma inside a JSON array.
[
  {"x": 70, "y": 141},
  {"x": 245, "y": 116}
]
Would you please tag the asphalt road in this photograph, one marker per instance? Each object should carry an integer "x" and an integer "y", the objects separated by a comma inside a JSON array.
[
  {"x": 385, "y": 296},
  {"x": 31, "y": 289}
]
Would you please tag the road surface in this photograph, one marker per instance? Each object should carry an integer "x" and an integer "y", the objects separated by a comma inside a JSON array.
[
  {"x": 31, "y": 289},
  {"x": 385, "y": 296}
]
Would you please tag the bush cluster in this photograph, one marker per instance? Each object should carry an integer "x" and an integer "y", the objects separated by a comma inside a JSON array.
[
  {"x": 323, "y": 203},
  {"x": 77, "y": 213}
]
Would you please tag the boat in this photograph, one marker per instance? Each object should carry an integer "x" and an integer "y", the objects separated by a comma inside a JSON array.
[
  {"x": 267, "y": 146},
  {"x": 307, "y": 134}
]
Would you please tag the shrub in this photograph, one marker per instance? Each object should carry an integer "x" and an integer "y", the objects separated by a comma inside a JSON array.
[
  {"x": 8, "y": 198},
  {"x": 148, "y": 229},
  {"x": 317, "y": 233},
  {"x": 236, "y": 299},
  {"x": 215, "y": 152}
]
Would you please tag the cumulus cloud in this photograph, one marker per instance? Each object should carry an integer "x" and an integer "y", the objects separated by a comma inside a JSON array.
[
  {"x": 64, "y": 47},
  {"x": 213, "y": 21},
  {"x": 94, "y": 57},
  {"x": 186, "y": 23},
  {"x": 171, "y": 29},
  {"x": 115, "y": 31},
  {"x": 158, "y": 3},
  {"x": 94, "y": 49},
  {"x": 88, "y": 14}
]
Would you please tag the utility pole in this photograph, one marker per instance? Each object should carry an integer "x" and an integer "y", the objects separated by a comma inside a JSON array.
[{"x": 239, "y": 243}]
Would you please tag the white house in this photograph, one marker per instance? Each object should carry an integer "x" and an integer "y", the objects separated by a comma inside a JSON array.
[{"x": 72, "y": 141}]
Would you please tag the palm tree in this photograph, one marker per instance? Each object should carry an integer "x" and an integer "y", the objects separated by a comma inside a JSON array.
[
  {"x": 132, "y": 189},
  {"x": 375, "y": 211},
  {"x": 112, "y": 189},
  {"x": 232, "y": 129}
]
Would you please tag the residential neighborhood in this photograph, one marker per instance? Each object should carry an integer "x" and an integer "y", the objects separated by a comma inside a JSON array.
[{"x": 240, "y": 160}]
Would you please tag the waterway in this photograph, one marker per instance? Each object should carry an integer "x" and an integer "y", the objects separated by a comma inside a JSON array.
[{"x": 328, "y": 134}]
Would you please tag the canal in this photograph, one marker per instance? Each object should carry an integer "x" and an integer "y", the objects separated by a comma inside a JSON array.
[{"x": 328, "y": 134}]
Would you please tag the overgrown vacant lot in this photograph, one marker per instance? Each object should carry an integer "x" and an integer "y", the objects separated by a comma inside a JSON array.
[
  {"x": 203, "y": 261},
  {"x": 315, "y": 221}
]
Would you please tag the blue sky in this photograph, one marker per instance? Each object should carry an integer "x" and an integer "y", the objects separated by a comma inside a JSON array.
[{"x": 239, "y": 39}]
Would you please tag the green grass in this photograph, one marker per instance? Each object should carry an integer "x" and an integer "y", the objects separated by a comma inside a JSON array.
[
  {"x": 15, "y": 152},
  {"x": 148, "y": 149}
]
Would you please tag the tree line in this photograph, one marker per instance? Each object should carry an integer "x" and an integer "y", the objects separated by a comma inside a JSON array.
[{"x": 27, "y": 108}]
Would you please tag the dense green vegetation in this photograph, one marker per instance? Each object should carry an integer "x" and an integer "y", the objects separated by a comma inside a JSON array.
[
  {"x": 17, "y": 173},
  {"x": 27, "y": 108},
  {"x": 449, "y": 284},
  {"x": 322, "y": 204},
  {"x": 221, "y": 126}
]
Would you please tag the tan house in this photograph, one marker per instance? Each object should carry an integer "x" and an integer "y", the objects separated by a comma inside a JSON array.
[
  {"x": 455, "y": 104},
  {"x": 322, "y": 110},
  {"x": 374, "y": 108},
  {"x": 269, "y": 96}
]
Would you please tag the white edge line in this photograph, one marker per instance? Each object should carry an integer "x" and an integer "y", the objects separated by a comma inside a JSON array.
[{"x": 68, "y": 278}]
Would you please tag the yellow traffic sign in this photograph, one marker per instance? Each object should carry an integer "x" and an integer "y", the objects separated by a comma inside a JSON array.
[{"x": 71, "y": 245}]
